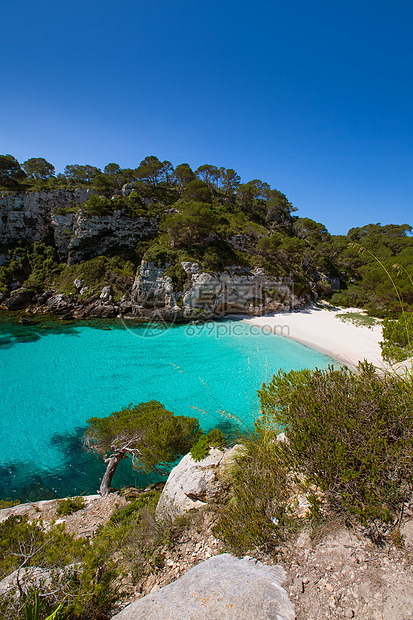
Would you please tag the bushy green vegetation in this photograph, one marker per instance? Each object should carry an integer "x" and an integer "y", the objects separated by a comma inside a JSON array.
[
  {"x": 24, "y": 545},
  {"x": 33, "y": 611},
  {"x": 349, "y": 449},
  {"x": 213, "y": 439},
  {"x": 350, "y": 433},
  {"x": 363, "y": 255},
  {"x": 37, "y": 268},
  {"x": 35, "y": 265},
  {"x": 85, "y": 575},
  {"x": 70, "y": 505},
  {"x": 397, "y": 344},
  {"x": 153, "y": 436},
  {"x": 116, "y": 270},
  {"x": 255, "y": 515}
]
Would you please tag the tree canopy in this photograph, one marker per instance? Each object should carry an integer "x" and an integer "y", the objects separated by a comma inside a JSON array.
[
  {"x": 38, "y": 168},
  {"x": 153, "y": 436},
  {"x": 10, "y": 171}
]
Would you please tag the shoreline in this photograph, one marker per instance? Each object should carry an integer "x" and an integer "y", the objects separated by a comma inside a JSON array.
[{"x": 321, "y": 330}]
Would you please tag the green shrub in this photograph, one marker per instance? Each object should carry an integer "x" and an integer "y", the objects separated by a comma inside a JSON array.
[
  {"x": 99, "y": 205},
  {"x": 214, "y": 439},
  {"x": 178, "y": 275},
  {"x": 397, "y": 344},
  {"x": 160, "y": 254},
  {"x": 148, "y": 499},
  {"x": 24, "y": 544},
  {"x": 350, "y": 433},
  {"x": 70, "y": 505},
  {"x": 33, "y": 611},
  {"x": 255, "y": 515}
]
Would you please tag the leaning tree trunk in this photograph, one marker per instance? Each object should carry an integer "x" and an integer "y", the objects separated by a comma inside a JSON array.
[{"x": 112, "y": 463}]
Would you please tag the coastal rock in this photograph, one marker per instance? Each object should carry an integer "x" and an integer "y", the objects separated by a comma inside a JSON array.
[
  {"x": 59, "y": 304},
  {"x": 192, "y": 484},
  {"x": 103, "y": 311},
  {"x": 221, "y": 588},
  {"x": 42, "y": 299},
  {"x": 152, "y": 288},
  {"x": 190, "y": 267},
  {"x": 236, "y": 290},
  {"x": 18, "y": 300},
  {"x": 105, "y": 294}
]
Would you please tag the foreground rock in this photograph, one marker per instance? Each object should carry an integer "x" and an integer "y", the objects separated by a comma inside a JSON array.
[
  {"x": 193, "y": 484},
  {"x": 221, "y": 588}
]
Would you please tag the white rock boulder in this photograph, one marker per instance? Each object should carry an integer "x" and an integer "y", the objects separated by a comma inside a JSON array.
[{"x": 193, "y": 484}]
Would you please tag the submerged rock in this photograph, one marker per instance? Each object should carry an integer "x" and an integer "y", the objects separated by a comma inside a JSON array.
[{"x": 221, "y": 588}]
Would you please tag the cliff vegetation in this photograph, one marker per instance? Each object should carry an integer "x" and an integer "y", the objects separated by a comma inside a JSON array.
[{"x": 97, "y": 226}]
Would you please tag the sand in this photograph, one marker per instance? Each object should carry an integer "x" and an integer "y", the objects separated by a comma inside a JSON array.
[{"x": 320, "y": 329}]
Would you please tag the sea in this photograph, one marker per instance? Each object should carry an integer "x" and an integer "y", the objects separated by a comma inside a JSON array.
[{"x": 55, "y": 375}]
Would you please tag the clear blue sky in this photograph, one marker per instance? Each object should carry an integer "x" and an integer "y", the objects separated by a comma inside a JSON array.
[{"x": 315, "y": 98}]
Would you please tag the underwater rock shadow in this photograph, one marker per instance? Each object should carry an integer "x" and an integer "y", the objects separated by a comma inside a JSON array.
[{"x": 79, "y": 474}]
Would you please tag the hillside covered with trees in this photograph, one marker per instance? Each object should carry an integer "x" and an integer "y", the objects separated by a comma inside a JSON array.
[{"x": 210, "y": 217}]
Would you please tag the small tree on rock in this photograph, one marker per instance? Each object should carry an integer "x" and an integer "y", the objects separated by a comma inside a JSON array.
[{"x": 153, "y": 436}]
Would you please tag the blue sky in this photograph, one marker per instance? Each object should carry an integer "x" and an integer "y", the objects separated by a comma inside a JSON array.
[{"x": 315, "y": 98}]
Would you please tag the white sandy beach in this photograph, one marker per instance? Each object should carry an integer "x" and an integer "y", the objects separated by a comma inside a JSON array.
[{"x": 321, "y": 330}]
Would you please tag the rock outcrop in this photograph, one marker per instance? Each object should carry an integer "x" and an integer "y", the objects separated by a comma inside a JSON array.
[
  {"x": 18, "y": 300},
  {"x": 193, "y": 484},
  {"x": 157, "y": 293},
  {"x": 34, "y": 216},
  {"x": 27, "y": 216},
  {"x": 221, "y": 588},
  {"x": 81, "y": 236},
  {"x": 237, "y": 290}
]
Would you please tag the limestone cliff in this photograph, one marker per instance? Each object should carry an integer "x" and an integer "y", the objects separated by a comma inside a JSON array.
[
  {"x": 235, "y": 290},
  {"x": 61, "y": 218},
  {"x": 35, "y": 216}
]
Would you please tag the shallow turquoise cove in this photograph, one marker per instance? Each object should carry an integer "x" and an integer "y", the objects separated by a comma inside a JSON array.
[{"x": 53, "y": 377}]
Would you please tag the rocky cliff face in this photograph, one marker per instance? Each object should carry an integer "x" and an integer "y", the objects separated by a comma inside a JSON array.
[
  {"x": 236, "y": 290},
  {"x": 80, "y": 236},
  {"x": 33, "y": 216},
  {"x": 156, "y": 293},
  {"x": 153, "y": 296},
  {"x": 27, "y": 216}
]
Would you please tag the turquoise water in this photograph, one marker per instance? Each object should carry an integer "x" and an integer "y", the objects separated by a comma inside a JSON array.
[{"x": 53, "y": 377}]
